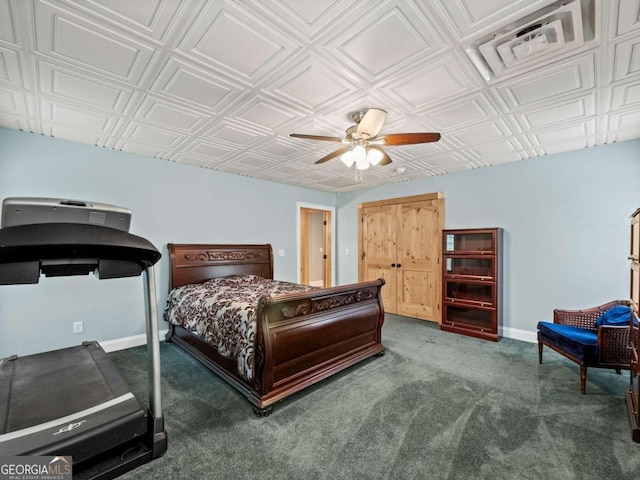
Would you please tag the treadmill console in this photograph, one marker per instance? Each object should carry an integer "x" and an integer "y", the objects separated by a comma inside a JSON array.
[
  {"x": 18, "y": 211},
  {"x": 68, "y": 237}
]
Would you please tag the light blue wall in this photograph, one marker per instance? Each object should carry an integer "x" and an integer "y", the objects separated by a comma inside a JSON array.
[
  {"x": 566, "y": 222},
  {"x": 565, "y": 218},
  {"x": 170, "y": 203}
]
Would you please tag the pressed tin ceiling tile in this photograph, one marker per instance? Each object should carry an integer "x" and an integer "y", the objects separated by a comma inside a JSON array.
[{"x": 223, "y": 84}]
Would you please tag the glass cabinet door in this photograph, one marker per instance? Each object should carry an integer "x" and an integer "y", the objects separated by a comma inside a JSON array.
[
  {"x": 478, "y": 293},
  {"x": 476, "y": 242},
  {"x": 470, "y": 317},
  {"x": 472, "y": 267}
]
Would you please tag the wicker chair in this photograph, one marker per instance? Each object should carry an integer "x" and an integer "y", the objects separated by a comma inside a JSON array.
[{"x": 575, "y": 335}]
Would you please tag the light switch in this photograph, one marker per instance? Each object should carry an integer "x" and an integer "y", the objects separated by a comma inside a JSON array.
[
  {"x": 281, "y": 252},
  {"x": 346, "y": 251}
]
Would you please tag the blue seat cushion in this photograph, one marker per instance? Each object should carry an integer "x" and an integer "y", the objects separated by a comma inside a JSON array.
[
  {"x": 619, "y": 315},
  {"x": 580, "y": 343}
]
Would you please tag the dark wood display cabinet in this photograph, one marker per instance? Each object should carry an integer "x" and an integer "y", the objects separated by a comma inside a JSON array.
[
  {"x": 633, "y": 393},
  {"x": 471, "y": 283}
]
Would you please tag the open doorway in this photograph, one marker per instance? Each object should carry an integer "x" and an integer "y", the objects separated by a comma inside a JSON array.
[{"x": 315, "y": 245}]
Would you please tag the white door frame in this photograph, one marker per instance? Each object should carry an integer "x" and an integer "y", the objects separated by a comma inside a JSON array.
[{"x": 326, "y": 208}]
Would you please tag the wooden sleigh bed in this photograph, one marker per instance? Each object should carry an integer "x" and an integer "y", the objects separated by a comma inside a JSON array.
[{"x": 300, "y": 338}]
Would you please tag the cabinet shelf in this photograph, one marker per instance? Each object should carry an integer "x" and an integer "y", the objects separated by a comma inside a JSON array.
[
  {"x": 479, "y": 242},
  {"x": 471, "y": 298},
  {"x": 472, "y": 267},
  {"x": 478, "y": 292}
]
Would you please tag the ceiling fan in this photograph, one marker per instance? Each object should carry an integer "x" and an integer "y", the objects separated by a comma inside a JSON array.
[{"x": 363, "y": 143}]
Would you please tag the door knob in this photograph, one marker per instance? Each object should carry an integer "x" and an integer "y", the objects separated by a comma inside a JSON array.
[
  {"x": 393, "y": 264},
  {"x": 399, "y": 265}
]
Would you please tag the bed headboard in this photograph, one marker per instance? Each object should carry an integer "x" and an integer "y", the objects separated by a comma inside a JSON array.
[{"x": 196, "y": 263}]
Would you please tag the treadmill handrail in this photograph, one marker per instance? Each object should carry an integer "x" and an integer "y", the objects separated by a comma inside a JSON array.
[
  {"x": 61, "y": 249},
  {"x": 70, "y": 240}
]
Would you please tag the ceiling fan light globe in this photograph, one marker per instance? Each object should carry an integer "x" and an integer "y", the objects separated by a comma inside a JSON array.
[
  {"x": 347, "y": 158},
  {"x": 362, "y": 163},
  {"x": 374, "y": 156},
  {"x": 359, "y": 153}
]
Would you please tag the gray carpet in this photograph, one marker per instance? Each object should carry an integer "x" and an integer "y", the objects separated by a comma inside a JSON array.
[{"x": 436, "y": 406}]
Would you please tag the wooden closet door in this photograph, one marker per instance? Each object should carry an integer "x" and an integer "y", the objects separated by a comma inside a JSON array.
[
  {"x": 417, "y": 258},
  {"x": 406, "y": 232},
  {"x": 378, "y": 250}
]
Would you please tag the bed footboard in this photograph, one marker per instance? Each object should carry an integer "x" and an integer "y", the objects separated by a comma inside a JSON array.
[{"x": 306, "y": 337}]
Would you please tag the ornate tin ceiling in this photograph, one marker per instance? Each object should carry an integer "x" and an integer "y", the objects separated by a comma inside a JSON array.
[{"x": 222, "y": 84}]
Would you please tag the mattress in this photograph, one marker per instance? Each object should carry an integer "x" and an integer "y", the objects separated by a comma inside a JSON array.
[{"x": 222, "y": 312}]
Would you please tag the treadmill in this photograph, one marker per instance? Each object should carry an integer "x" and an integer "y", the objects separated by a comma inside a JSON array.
[{"x": 73, "y": 402}]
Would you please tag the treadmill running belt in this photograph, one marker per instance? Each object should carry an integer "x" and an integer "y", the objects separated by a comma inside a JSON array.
[
  {"x": 77, "y": 380},
  {"x": 71, "y": 380}
]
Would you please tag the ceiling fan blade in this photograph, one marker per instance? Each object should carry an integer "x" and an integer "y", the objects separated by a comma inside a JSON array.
[
  {"x": 335, "y": 154},
  {"x": 372, "y": 122},
  {"x": 409, "y": 138},
  {"x": 385, "y": 160},
  {"x": 316, "y": 137}
]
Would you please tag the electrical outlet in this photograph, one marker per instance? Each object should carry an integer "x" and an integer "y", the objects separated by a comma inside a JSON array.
[{"x": 78, "y": 327}]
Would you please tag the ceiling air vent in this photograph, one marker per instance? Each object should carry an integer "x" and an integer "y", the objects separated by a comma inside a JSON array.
[{"x": 539, "y": 38}]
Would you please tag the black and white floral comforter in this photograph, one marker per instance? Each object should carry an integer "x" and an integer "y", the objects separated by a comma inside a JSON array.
[{"x": 222, "y": 311}]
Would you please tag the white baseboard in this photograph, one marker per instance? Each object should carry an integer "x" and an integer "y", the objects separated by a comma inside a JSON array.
[
  {"x": 137, "y": 340},
  {"x": 517, "y": 334},
  {"x": 128, "y": 342}
]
